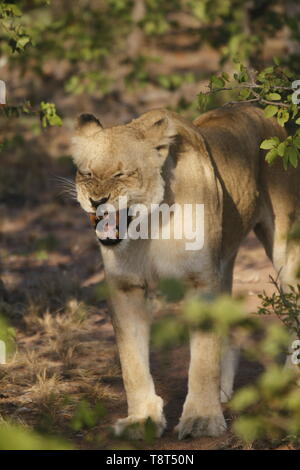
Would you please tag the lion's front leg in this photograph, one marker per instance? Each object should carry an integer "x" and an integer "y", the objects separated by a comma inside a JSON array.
[
  {"x": 202, "y": 413},
  {"x": 132, "y": 329}
]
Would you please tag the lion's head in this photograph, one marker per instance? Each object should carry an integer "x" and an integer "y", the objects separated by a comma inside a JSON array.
[{"x": 124, "y": 160}]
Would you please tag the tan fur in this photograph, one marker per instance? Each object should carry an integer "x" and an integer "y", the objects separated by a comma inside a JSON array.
[{"x": 215, "y": 161}]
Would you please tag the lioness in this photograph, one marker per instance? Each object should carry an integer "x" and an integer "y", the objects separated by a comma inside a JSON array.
[{"x": 162, "y": 158}]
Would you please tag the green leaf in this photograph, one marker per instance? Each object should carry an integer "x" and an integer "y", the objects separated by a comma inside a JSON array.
[
  {"x": 245, "y": 93},
  {"x": 217, "y": 82},
  {"x": 22, "y": 41},
  {"x": 55, "y": 120},
  {"x": 292, "y": 400},
  {"x": 269, "y": 70},
  {"x": 248, "y": 428},
  {"x": 225, "y": 76},
  {"x": 273, "y": 96},
  {"x": 270, "y": 110},
  {"x": 292, "y": 154},
  {"x": 281, "y": 149},
  {"x": 168, "y": 332},
  {"x": 244, "y": 398},
  {"x": 44, "y": 121},
  {"x": 203, "y": 99},
  {"x": 19, "y": 438},
  {"x": 271, "y": 156},
  {"x": 164, "y": 81},
  {"x": 86, "y": 416},
  {"x": 282, "y": 117},
  {"x": 275, "y": 380},
  {"x": 276, "y": 341},
  {"x": 172, "y": 289},
  {"x": 297, "y": 141},
  {"x": 269, "y": 143},
  {"x": 285, "y": 161}
]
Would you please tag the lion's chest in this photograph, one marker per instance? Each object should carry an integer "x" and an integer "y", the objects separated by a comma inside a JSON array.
[
  {"x": 151, "y": 260},
  {"x": 170, "y": 258}
]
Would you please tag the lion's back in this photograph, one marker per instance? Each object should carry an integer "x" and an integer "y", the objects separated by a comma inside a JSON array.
[{"x": 233, "y": 135}]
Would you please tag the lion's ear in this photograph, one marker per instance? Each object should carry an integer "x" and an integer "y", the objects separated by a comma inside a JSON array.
[
  {"x": 161, "y": 132},
  {"x": 88, "y": 125}
]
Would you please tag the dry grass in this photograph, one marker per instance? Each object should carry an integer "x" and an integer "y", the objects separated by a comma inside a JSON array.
[
  {"x": 56, "y": 366},
  {"x": 45, "y": 391}
]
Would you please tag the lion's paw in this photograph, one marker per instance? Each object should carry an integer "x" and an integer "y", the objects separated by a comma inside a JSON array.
[
  {"x": 134, "y": 427},
  {"x": 197, "y": 426}
]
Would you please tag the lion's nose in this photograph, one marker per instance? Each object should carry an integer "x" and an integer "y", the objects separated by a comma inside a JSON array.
[{"x": 95, "y": 204}]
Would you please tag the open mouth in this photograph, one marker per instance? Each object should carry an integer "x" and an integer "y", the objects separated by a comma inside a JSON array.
[{"x": 111, "y": 228}]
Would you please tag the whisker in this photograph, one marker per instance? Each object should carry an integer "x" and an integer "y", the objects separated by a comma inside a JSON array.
[
  {"x": 65, "y": 181},
  {"x": 66, "y": 187},
  {"x": 68, "y": 195},
  {"x": 69, "y": 190}
]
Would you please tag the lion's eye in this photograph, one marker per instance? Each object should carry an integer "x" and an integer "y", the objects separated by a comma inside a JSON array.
[{"x": 118, "y": 175}]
